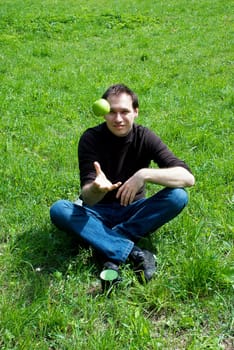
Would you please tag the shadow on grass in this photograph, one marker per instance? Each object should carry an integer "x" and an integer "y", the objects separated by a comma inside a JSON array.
[
  {"x": 49, "y": 250},
  {"x": 41, "y": 256},
  {"x": 44, "y": 257}
]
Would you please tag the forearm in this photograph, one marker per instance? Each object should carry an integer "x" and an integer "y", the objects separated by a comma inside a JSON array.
[
  {"x": 91, "y": 195},
  {"x": 169, "y": 177}
]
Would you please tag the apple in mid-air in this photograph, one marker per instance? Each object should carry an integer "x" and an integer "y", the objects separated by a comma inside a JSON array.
[{"x": 101, "y": 107}]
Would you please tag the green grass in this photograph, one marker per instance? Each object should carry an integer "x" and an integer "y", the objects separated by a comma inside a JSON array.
[{"x": 56, "y": 58}]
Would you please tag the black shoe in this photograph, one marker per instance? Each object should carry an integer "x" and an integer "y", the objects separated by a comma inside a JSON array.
[
  {"x": 110, "y": 266},
  {"x": 143, "y": 261}
]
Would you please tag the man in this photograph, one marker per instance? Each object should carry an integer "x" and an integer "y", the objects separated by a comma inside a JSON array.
[{"x": 112, "y": 214}]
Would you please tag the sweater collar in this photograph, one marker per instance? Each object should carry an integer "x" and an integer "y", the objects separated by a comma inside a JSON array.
[{"x": 121, "y": 140}]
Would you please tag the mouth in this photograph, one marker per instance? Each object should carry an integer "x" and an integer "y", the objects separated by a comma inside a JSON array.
[{"x": 118, "y": 126}]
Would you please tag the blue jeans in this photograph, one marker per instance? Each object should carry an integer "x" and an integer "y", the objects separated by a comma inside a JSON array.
[{"x": 113, "y": 229}]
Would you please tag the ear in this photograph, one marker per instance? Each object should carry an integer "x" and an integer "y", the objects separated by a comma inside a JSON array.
[{"x": 136, "y": 110}]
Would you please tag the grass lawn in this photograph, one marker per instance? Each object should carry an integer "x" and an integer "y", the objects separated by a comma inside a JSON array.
[{"x": 56, "y": 58}]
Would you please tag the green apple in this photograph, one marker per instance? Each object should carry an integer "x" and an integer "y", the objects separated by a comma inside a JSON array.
[{"x": 101, "y": 107}]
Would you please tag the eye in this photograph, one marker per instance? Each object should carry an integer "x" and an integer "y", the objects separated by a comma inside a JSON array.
[{"x": 125, "y": 112}]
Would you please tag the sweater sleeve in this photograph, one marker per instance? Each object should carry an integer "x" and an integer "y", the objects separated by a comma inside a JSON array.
[
  {"x": 161, "y": 154},
  {"x": 87, "y": 155}
]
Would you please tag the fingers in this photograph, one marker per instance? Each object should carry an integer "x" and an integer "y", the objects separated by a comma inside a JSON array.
[
  {"x": 97, "y": 168},
  {"x": 116, "y": 185},
  {"x": 127, "y": 192},
  {"x": 126, "y": 199},
  {"x": 126, "y": 195}
]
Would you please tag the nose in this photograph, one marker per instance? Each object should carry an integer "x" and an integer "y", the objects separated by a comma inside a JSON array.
[{"x": 118, "y": 116}]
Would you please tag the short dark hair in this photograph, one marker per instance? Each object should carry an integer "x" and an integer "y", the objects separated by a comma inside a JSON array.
[{"x": 118, "y": 89}]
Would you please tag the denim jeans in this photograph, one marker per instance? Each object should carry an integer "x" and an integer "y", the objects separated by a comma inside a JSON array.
[{"x": 112, "y": 229}]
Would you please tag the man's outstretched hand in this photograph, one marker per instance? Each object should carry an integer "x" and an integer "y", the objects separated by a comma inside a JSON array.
[
  {"x": 101, "y": 182},
  {"x": 94, "y": 191}
]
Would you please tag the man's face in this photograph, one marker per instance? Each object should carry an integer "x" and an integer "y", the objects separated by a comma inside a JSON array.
[{"x": 122, "y": 114}]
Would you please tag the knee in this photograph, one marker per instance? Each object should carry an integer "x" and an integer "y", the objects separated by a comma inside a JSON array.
[
  {"x": 178, "y": 198},
  {"x": 57, "y": 210}
]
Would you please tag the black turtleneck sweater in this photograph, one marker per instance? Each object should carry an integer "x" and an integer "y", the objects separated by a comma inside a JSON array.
[{"x": 121, "y": 157}]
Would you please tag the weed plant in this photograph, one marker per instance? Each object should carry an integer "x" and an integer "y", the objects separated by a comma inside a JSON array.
[{"x": 56, "y": 58}]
